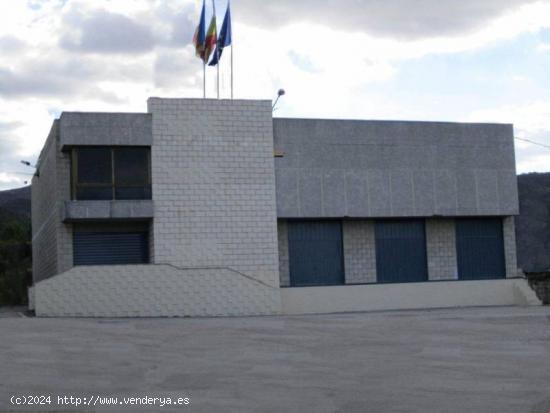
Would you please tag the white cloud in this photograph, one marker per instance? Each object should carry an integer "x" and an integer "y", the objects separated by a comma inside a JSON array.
[
  {"x": 399, "y": 19},
  {"x": 10, "y": 180},
  {"x": 58, "y": 55}
]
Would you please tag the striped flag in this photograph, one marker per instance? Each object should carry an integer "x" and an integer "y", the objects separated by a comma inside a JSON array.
[
  {"x": 211, "y": 39},
  {"x": 199, "y": 39}
]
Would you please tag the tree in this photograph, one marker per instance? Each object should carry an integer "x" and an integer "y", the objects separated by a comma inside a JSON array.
[{"x": 15, "y": 261}]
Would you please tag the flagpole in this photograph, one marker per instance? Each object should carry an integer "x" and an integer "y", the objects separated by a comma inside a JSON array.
[
  {"x": 203, "y": 80},
  {"x": 232, "y": 47},
  {"x": 218, "y": 65},
  {"x": 218, "y": 72},
  {"x": 218, "y": 68}
]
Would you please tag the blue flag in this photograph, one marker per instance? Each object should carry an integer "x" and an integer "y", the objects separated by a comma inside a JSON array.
[{"x": 224, "y": 39}]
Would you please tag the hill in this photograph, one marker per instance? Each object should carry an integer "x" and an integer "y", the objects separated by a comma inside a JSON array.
[
  {"x": 533, "y": 223},
  {"x": 16, "y": 203}
]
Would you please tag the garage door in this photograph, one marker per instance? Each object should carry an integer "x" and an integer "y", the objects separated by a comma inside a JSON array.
[
  {"x": 401, "y": 251},
  {"x": 315, "y": 253},
  {"x": 480, "y": 249},
  {"x": 107, "y": 248}
]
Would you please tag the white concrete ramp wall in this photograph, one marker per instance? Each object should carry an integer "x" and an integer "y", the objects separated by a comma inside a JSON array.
[
  {"x": 373, "y": 297},
  {"x": 154, "y": 291}
]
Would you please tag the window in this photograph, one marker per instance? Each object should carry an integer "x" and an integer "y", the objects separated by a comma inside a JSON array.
[
  {"x": 315, "y": 253},
  {"x": 105, "y": 173},
  {"x": 401, "y": 251},
  {"x": 480, "y": 248}
]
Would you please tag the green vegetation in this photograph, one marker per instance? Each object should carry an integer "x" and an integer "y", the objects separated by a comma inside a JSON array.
[{"x": 15, "y": 260}]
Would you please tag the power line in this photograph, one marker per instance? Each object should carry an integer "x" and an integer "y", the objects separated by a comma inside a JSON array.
[{"x": 533, "y": 142}]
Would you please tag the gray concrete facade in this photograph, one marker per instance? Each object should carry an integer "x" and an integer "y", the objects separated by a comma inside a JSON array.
[
  {"x": 101, "y": 210},
  {"x": 284, "y": 259},
  {"x": 51, "y": 238},
  {"x": 105, "y": 129},
  {"x": 44, "y": 211},
  {"x": 359, "y": 169},
  {"x": 221, "y": 201},
  {"x": 214, "y": 185},
  {"x": 213, "y": 225},
  {"x": 359, "y": 252},
  {"x": 441, "y": 249}
]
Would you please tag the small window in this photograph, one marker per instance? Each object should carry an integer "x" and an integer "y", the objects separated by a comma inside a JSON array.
[{"x": 105, "y": 173}]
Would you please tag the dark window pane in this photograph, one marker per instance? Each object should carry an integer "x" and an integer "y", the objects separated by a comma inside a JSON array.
[
  {"x": 94, "y": 166},
  {"x": 94, "y": 193},
  {"x": 133, "y": 192},
  {"x": 131, "y": 166}
]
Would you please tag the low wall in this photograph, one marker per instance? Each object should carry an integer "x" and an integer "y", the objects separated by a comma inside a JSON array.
[
  {"x": 166, "y": 291},
  {"x": 154, "y": 291},
  {"x": 440, "y": 294}
]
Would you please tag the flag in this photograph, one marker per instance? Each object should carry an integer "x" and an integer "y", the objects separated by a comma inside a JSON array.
[
  {"x": 199, "y": 39},
  {"x": 211, "y": 37},
  {"x": 224, "y": 39}
]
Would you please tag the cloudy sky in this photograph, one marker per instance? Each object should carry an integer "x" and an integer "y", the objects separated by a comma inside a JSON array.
[{"x": 468, "y": 60}]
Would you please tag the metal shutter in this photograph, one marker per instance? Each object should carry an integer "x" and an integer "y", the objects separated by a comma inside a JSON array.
[
  {"x": 480, "y": 249},
  {"x": 315, "y": 253},
  {"x": 401, "y": 251},
  {"x": 106, "y": 248}
]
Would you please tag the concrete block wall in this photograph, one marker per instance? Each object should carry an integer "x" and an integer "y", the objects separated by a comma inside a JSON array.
[
  {"x": 284, "y": 259},
  {"x": 153, "y": 291},
  {"x": 52, "y": 239},
  {"x": 359, "y": 252},
  {"x": 44, "y": 211},
  {"x": 214, "y": 186},
  {"x": 441, "y": 249},
  {"x": 510, "y": 250},
  {"x": 63, "y": 194}
]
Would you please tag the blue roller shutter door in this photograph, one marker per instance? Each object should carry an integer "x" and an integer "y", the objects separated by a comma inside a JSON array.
[
  {"x": 401, "y": 251},
  {"x": 315, "y": 253},
  {"x": 480, "y": 249},
  {"x": 109, "y": 248}
]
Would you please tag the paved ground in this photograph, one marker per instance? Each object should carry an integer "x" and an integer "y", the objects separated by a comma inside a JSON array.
[{"x": 463, "y": 360}]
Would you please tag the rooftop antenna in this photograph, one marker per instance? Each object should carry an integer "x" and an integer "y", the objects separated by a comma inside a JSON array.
[{"x": 280, "y": 93}]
